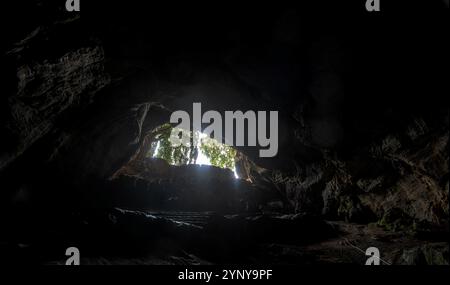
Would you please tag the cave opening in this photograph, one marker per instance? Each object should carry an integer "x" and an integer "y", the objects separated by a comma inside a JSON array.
[
  {"x": 201, "y": 176},
  {"x": 201, "y": 150},
  {"x": 202, "y": 157}
]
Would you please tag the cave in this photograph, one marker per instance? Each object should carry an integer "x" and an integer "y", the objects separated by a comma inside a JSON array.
[{"x": 86, "y": 159}]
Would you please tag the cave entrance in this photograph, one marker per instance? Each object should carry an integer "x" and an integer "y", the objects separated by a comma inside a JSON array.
[
  {"x": 202, "y": 150},
  {"x": 157, "y": 159},
  {"x": 204, "y": 175}
]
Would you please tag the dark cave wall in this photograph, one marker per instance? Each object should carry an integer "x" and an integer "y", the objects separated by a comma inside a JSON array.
[{"x": 354, "y": 143}]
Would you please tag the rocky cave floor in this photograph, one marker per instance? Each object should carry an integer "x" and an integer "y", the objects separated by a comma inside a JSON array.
[{"x": 121, "y": 237}]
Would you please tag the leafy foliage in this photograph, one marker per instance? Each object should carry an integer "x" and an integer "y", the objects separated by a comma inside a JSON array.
[
  {"x": 220, "y": 155},
  {"x": 163, "y": 149}
]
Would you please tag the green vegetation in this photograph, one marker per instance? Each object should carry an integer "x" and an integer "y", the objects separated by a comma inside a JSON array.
[
  {"x": 219, "y": 155},
  {"x": 216, "y": 154}
]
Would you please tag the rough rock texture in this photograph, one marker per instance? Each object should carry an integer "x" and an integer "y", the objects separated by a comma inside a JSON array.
[
  {"x": 41, "y": 89},
  {"x": 406, "y": 178}
]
